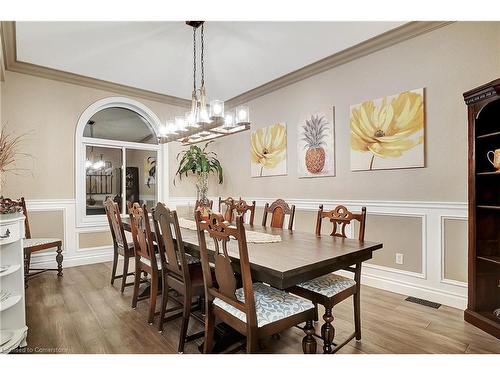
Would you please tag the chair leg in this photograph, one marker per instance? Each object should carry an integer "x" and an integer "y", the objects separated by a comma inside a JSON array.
[
  {"x": 185, "y": 321},
  {"x": 59, "y": 259},
  {"x": 327, "y": 330},
  {"x": 137, "y": 282},
  {"x": 357, "y": 315},
  {"x": 308, "y": 342},
  {"x": 115, "y": 263},
  {"x": 252, "y": 344},
  {"x": 209, "y": 329},
  {"x": 27, "y": 262},
  {"x": 152, "y": 297},
  {"x": 316, "y": 314},
  {"x": 164, "y": 301},
  {"x": 126, "y": 260}
]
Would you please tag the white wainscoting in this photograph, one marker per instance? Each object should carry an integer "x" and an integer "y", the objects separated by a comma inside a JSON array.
[{"x": 429, "y": 284}]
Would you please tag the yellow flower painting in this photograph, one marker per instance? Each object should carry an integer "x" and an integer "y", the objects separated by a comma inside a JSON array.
[
  {"x": 268, "y": 151},
  {"x": 388, "y": 133}
]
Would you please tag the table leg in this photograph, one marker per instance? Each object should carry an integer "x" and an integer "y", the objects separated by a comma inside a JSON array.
[
  {"x": 308, "y": 342},
  {"x": 327, "y": 331}
]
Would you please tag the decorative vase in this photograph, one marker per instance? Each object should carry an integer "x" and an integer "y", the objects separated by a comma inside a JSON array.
[{"x": 201, "y": 194}]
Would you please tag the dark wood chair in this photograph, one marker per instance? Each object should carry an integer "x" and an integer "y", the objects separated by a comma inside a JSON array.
[
  {"x": 180, "y": 271},
  {"x": 32, "y": 245},
  {"x": 226, "y": 208},
  {"x": 120, "y": 244},
  {"x": 241, "y": 207},
  {"x": 279, "y": 209},
  {"x": 146, "y": 259},
  {"x": 256, "y": 310},
  {"x": 331, "y": 289},
  {"x": 200, "y": 204}
]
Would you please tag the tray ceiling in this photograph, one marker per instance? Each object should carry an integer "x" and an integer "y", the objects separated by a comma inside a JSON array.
[{"x": 157, "y": 56}]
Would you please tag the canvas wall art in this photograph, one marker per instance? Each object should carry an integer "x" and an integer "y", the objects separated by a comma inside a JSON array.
[
  {"x": 268, "y": 151},
  {"x": 150, "y": 171},
  {"x": 316, "y": 145},
  {"x": 388, "y": 133}
]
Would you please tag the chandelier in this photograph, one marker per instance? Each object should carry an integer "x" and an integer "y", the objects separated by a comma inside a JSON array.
[{"x": 204, "y": 122}]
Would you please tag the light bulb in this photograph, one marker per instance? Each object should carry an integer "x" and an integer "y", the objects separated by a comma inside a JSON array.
[
  {"x": 228, "y": 120},
  {"x": 163, "y": 131},
  {"x": 216, "y": 109},
  {"x": 242, "y": 115},
  {"x": 88, "y": 164},
  {"x": 179, "y": 124}
]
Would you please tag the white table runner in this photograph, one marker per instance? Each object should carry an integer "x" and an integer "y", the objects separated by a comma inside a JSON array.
[{"x": 252, "y": 237}]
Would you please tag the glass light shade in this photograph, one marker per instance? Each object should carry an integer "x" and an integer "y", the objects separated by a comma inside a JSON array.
[
  {"x": 98, "y": 164},
  {"x": 180, "y": 124},
  {"x": 88, "y": 164},
  {"x": 228, "y": 120},
  {"x": 242, "y": 115},
  {"x": 216, "y": 109},
  {"x": 170, "y": 127},
  {"x": 202, "y": 116},
  {"x": 190, "y": 120}
]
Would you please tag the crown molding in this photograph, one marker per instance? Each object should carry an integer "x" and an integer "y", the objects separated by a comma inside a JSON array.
[
  {"x": 8, "y": 34},
  {"x": 387, "y": 39}
]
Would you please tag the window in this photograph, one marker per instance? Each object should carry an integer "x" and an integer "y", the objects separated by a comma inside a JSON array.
[{"x": 117, "y": 158}]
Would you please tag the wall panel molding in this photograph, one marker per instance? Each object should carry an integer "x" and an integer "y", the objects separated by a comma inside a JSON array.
[{"x": 428, "y": 284}]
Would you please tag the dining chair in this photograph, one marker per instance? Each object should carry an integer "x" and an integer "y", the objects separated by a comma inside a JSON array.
[
  {"x": 32, "y": 245},
  {"x": 256, "y": 310},
  {"x": 120, "y": 244},
  {"x": 200, "y": 203},
  {"x": 331, "y": 289},
  {"x": 226, "y": 208},
  {"x": 279, "y": 209},
  {"x": 146, "y": 259},
  {"x": 180, "y": 271},
  {"x": 241, "y": 207}
]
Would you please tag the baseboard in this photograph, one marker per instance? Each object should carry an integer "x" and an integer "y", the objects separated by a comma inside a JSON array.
[
  {"x": 409, "y": 289},
  {"x": 104, "y": 255}
]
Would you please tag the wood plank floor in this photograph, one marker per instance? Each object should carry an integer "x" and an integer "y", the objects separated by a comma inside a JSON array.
[{"x": 82, "y": 313}]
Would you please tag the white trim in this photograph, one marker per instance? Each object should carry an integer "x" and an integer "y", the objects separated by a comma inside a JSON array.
[
  {"x": 82, "y": 220},
  {"x": 442, "y": 236},
  {"x": 428, "y": 284}
]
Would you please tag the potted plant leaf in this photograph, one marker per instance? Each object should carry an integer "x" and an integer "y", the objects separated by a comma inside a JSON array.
[{"x": 199, "y": 162}]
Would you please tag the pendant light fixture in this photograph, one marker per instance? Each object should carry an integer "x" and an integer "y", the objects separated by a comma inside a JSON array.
[{"x": 204, "y": 122}]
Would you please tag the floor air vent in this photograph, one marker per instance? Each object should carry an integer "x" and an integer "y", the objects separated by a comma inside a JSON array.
[{"x": 424, "y": 302}]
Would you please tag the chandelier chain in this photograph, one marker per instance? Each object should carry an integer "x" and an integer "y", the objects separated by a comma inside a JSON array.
[
  {"x": 194, "y": 59},
  {"x": 202, "y": 56}
]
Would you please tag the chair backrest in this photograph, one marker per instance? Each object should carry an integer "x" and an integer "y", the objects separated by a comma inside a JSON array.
[
  {"x": 241, "y": 207},
  {"x": 340, "y": 217},
  {"x": 226, "y": 208},
  {"x": 222, "y": 232},
  {"x": 115, "y": 223},
  {"x": 27, "y": 230},
  {"x": 278, "y": 210},
  {"x": 170, "y": 247},
  {"x": 141, "y": 234}
]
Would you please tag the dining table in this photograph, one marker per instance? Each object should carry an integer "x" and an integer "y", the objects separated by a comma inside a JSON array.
[{"x": 294, "y": 258}]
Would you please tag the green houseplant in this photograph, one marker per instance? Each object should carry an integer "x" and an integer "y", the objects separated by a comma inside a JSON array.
[{"x": 200, "y": 163}]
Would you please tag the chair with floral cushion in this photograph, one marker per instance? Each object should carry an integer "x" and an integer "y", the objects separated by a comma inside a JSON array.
[
  {"x": 241, "y": 207},
  {"x": 331, "y": 289},
  {"x": 32, "y": 245},
  {"x": 279, "y": 209},
  {"x": 120, "y": 244},
  {"x": 180, "y": 271},
  {"x": 146, "y": 259},
  {"x": 256, "y": 310},
  {"x": 226, "y": 208}
]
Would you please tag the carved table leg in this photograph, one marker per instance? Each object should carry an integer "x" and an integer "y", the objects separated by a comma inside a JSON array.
[
  {"x": 327, "y": 330},
  {"x": 59, "y": 259},
  {"x": 308, "y": 342}
]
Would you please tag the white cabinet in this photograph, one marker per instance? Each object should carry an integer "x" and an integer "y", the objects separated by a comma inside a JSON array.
[{"x": 13, "y": 329}]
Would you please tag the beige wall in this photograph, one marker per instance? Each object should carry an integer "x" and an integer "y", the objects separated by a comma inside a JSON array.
[
  {"x": 446, "y": 62},
  {"x": 94, "y": 239},
  {"x": 49, "y": 110},
  {"x": 455, "y": 249},
  {"x": 46, "y": 224}
]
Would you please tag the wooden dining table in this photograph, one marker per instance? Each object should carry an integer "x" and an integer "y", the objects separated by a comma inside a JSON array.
[{"x": 298, "y": 257}]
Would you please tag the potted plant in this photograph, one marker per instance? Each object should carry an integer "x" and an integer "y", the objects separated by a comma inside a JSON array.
[{"x": 201, "y": 163}]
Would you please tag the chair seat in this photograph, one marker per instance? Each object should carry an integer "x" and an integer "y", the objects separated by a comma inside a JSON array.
[
  {"x": 189, "y": 259},
  {"x": 328, "y": 285},
  {"x": 271, "y": 304},
  {"x": 49, "y": 243}
]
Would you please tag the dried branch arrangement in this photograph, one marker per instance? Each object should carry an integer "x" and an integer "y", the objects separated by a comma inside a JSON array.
[{"x": 9, "y": 153}]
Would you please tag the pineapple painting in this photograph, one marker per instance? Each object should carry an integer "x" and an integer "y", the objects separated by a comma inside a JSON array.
[{"x": 316, "y": 147}]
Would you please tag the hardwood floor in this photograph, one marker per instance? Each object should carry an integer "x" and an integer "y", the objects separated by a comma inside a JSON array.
[{"x": 82, "y": 313}]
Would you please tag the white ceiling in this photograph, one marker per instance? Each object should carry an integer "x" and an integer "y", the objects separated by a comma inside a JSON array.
[{"x": 157, "y": 56}]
